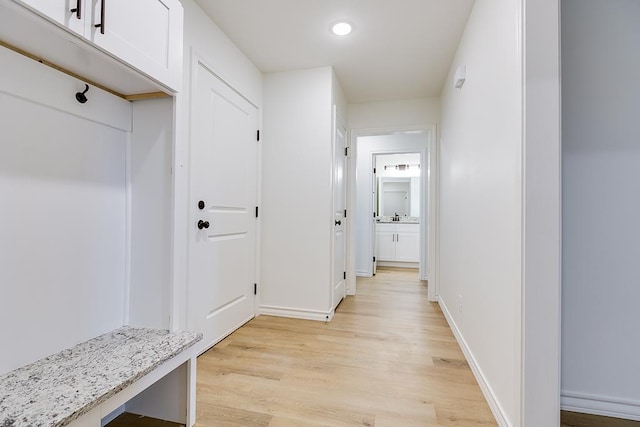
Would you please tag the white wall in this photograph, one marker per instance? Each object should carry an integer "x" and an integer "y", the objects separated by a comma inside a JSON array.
[
  {"x": 394, "y": 114},
  {"x": 366, "y": 147},
  {"x": 296, "y": 193},
  {"x": 202, "y": 37},
  {"x": 601, "y": 207},
  {"x": 150, "y": 181},
  {"x": 63, "y": 212},
  {"x": 338, "y": 98},
  {"x": 480, "y": 271}
]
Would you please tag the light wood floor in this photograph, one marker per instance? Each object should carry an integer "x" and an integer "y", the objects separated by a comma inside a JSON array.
[
  {"x": 387, "y": 358},
  {"x": 573, "y": 419}
]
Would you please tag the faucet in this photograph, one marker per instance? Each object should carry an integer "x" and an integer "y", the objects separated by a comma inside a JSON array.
[{"x": 396, "y": 217}]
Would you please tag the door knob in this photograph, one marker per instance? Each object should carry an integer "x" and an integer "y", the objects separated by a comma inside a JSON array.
[
  {"x": 203, "y": 224},
  {"x": 338, "y": 222},
  {"x": 201, "y": 204}
]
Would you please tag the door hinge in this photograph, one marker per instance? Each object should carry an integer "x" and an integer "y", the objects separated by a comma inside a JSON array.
[
  {"x": 256, "y": 212},
  {"x": 374, "y": 214},
  {"x": 344, "y": 275},
  {"x": 374, "y": 259},
  {"x": 345, "y": 213},
  {"x": 255, "y": 289},
  {"x": 346, "y": 151},
  {"x": 374, "y": 170},
  {"x": 258, "y": 135}
]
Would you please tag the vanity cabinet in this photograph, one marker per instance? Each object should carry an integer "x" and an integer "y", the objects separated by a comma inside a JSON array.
[
  {"x": 145, "y": 34},
  {"x": 398, "y": 242}
]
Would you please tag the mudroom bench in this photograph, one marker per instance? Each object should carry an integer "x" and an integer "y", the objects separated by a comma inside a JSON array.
[{"x": 141, "y": 370}]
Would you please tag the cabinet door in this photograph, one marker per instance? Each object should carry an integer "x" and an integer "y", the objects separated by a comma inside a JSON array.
[
  {"x": 407, "y": 246},
  {"x": 385, "y": 246},
  {"x": 64, "y": 12},
  {"x": 147, "y": 34}
]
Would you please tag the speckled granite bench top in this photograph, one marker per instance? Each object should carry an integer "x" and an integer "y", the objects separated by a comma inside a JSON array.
[{"x": 60, "y": 388}]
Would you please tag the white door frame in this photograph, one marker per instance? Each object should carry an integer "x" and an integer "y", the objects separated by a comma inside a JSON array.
[{"x": 428, "y": 184}]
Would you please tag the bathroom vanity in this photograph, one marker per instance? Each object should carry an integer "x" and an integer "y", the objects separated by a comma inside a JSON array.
[{"x": 398, "y": 242}]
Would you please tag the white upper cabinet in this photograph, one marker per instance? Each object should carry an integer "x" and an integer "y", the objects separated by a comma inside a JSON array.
[
  {"x": 146, "y": 34},
  {"x": 69, "y": 13}
]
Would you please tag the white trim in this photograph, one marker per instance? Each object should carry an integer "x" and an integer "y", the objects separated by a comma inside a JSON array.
[
  {"x": 399, "y": 265},
  {"x": 539, "y": 295},
  {"x": 192, "y": 369},
  {"x": 296, "y": 313},
  {"x": 600, "y": 405},
  {"x": 498, "y": 412},
  {"x": 178, "y": 284},
  {"x": 128, "y": 219},
  {"x": 433, "y": 239}
]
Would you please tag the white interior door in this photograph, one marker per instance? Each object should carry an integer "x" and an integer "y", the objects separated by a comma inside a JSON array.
[
  {"x": 339, "y": 220},
  {"x": 375, "y": 211},
  {"x": 223, "y": 208}
]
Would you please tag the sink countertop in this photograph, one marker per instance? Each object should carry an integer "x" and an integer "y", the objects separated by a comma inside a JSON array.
[{"x": 403, "y": 220}]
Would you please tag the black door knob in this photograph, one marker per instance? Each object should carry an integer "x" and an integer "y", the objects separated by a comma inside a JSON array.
[
  {"x": 203, "y": 224},
  {"x": 201, "y": 204},
  {"x": 338, "y": 222}
]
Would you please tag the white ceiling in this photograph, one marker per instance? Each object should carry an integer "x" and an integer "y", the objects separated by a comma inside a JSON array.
[{"x": 399, "y": 49}]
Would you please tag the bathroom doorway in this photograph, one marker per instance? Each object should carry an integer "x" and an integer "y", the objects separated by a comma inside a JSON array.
[
  {"x": 397, "y": 205},
  {"x": 362, "y": 198}
]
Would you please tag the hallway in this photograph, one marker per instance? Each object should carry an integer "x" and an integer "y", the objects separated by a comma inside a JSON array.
[{"x": 388, "y": 358}]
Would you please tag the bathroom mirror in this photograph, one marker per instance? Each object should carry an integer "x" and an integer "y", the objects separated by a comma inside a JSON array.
[
  {"x": 398, "y": 195},
  {"x": 394, "y": 196},
  {"x": 398, "y": 184}
]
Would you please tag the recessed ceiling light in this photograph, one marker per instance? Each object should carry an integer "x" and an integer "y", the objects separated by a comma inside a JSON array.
[{"x": 341, "y": 28}]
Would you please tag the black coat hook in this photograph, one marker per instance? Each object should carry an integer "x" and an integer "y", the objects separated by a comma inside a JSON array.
[{"x": 80, "y": 96}]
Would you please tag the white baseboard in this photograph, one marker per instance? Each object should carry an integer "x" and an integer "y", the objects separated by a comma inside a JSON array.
[
  {"x": 494, "y": 405},
  {"x": 600, "y": 405},
  {"x": 296, "y": 313},
  {"x": 363, "y": 273},
  {"x": 398, "y": 264}
]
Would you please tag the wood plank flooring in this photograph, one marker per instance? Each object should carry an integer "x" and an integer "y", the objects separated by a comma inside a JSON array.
[
  {"x": 388, "y": 358},
  {"x": 574, "y": 419},
  {"x": 132, "y": 420}
]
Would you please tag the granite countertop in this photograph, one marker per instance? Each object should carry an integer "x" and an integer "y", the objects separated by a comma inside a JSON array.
[
  {"x": 60, "y": 388},
  {"x": 403, "y": 220}
]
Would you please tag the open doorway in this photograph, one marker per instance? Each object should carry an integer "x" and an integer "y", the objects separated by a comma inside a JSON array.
[
  {"x": 397, "y": 202},
  {"x": 384, "y": 145}
]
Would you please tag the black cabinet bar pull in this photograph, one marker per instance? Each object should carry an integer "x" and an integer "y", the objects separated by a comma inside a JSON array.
[
  {"x": 101, "y": 24},
  {"x": 78, "y": 9}
]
